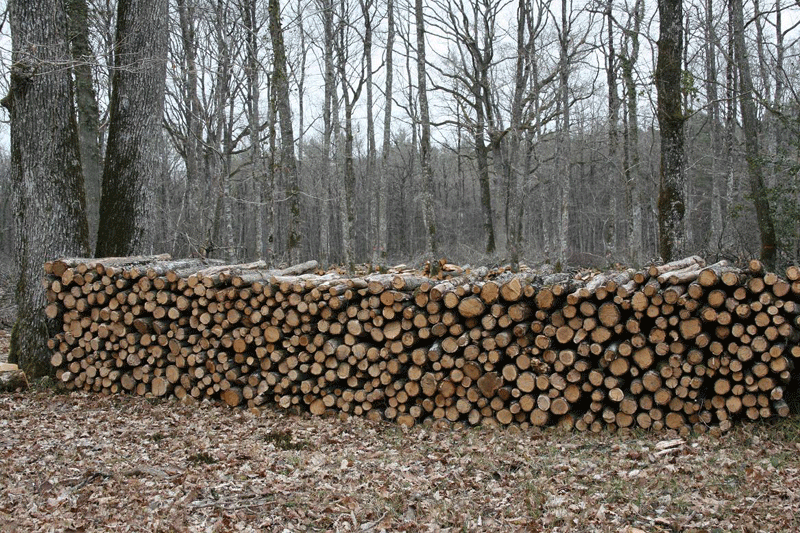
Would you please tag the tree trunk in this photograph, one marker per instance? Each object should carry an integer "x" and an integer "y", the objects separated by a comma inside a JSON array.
[
  {"x": 565, "y": 164},
  {"x": 482, "y": 158},
  {"x": 758, "y": 188},
  {"x": 350, "y": 97},
  {"x": 191, "y": 111},
  {"x": 49, "y": 201},
  {"x": 216, "y": 145},
  {"x": 253, "y": 68},
  {"x": 288, "y": 162},
  {"x": 328, "y": 118},
  {"x": 514, "y": 167},
  {"x": 133, "y": 152},
  {"x": 383, "y": 180},
  {"x": 714, "y": 128},
  {"x": 670, "y": 121},
  {"x": 88, "y": 113},
  {"x": 633, "y": 174},
  {"x": 428, "y": 213},
  {"x": 367, "y": 8},
  {"x": 614, "y": 238}
]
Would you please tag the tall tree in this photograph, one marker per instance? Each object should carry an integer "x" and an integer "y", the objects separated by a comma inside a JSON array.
[
  {"x": 428, "y": 213},
  {"x": 614, "y": 104},
  {"x": 133, "y": 152},
  {"x": 283, "y": 104},
  {"x": 329, "y": 118},
  {"x": 565, "y": 140},
  {"x": 515, "y": 174},
  {"x": 758, "y": 189},
  {"x": 670, "y": 122},
  {"x": 88, "y": 113},
  {"x": 383, "y": 193},
  {"x": 368, "y": 15},
  {"x": 472, "y": 28},
  {"x": 351, "y": 92},
  {"x": 714, "y": 124},
  {"x": 47, "y": 182},
  {"x": 253, "y": 68},
  {"x": 192, "y": 133},
  {"x": 632, "y": 162}
]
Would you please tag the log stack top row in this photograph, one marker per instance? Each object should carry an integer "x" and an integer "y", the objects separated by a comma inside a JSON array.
[{"x": 684, "y": 345}]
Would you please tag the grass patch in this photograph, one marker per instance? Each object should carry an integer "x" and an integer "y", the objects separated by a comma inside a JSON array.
[
  {"x": 202, "y": 458},
  {"x": 282, "y": 439}
]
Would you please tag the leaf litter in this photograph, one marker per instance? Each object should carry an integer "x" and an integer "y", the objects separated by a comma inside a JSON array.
[{"x": 80, "y": 462}]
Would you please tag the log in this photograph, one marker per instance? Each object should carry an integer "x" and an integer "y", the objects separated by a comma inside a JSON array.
[
  {"x": 12, "y": 379},
  {"x": 620, "y": 349}
]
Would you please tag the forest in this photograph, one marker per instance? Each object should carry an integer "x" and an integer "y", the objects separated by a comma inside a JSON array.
[
  {"x": 355, "y": 131},
  {"x": 540, "y": 121}
]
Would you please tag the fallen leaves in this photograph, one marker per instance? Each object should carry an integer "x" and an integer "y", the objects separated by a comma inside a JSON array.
[{"x": 84, "y": 462}]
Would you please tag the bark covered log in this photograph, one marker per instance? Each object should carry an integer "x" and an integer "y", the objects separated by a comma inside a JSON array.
[{"x": 688, "y": 357}]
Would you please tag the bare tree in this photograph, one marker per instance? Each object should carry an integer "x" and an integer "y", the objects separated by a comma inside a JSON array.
[
  {"x": 248, "y": 10},
  {"x": 758, "y": 190},
  {"x": 564, "y": 155},
  {"x": 47, "y": 182},
  {"x": 329, "y": 118},
  {"x": 613, "y": 236},
  {"x": 631, "y": 158},
  {"x": 88, "y": 112},
  {"x": 381, "y": 246},
  {"x": 288, "y": 161},
  {"x": 133, "y": 151},
  {"x": 713, "y": 105},
  {"x": 670, "y": 120},
  {"x": 428, "y": 213}
]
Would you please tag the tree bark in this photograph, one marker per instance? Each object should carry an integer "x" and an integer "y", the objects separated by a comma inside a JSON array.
[
  {"x": 193, "y": 132},
  {"x": 133, "y": 159},
  {"x": 633, "y": 174},
  {"x": 47, "y": 182},
  {"x": 428, "y": 213},
  {"x": 758, "y": 189},
  {"x": 565, "y": 145},
  {"x": 515, "y": 166},
  {"x": 288, "y": 161},
  {"x": 670, "y": 121},
  {"x": 367, "y": 11},
  {"x": 714, "y": 128},
  {"x": 614, "y": 238},
  {"x": 88, "y": 113},
  {"x": 328, "y": 119},
  {"x": 382, "y": 244},
  {"x": 253, "y": 69}
]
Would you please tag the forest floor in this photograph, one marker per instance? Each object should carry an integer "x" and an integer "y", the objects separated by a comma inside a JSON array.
[{"x": 85, "y": 462}]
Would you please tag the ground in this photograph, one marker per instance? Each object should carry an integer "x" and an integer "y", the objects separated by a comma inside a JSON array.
[{"x": 84, "y": 462}]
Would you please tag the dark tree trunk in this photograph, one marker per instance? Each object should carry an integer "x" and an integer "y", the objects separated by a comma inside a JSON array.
[
  {"x": 191, "y": 112},
  {"x": 613, "y": 238},
  {"x": 670, "y": 121},
  {"x": 758, "y": 188},
  {"x": 283, "y": 104},
  {"x": 633, "y": 174},
  {"x": 383, "y": 202},
  {"x": 428, "y": 214},
  {"x": 88, "y": 113},
  {"x": 253, "y": 67},
  {"x": 133, "y": 152},
  {"x": 47, "y": 181}
]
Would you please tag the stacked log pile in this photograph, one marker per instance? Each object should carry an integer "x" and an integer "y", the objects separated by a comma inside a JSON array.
[{"x": 683, "y": 345}]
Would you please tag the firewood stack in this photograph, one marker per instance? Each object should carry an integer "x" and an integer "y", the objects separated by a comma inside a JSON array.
[{"x": 682, "y": 345}]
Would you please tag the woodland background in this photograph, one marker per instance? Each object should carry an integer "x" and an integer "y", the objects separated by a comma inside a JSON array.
[
  {"x": 542, "y": 114},
  {"x": 573, "y": 132}
]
